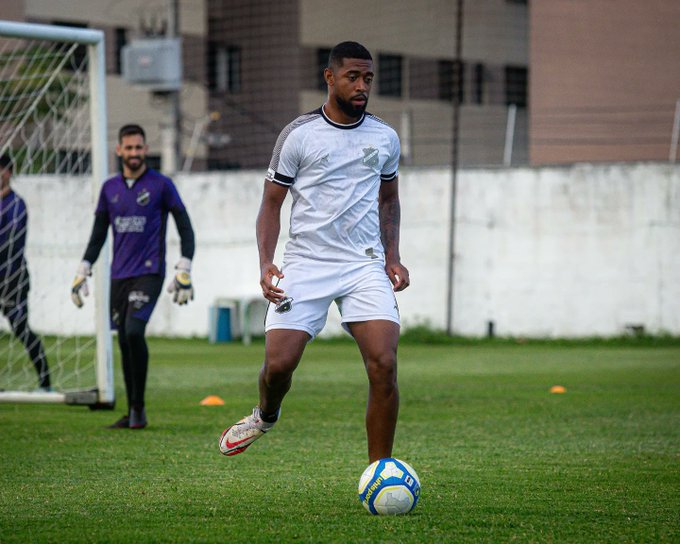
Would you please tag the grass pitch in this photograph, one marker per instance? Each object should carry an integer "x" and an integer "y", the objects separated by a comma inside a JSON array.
[{"x": 500, "y": 458}]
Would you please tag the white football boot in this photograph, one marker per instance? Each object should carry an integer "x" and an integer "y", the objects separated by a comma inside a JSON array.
[{"x": 239, "y": 436}]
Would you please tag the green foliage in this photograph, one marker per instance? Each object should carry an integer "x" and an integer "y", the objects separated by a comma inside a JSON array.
[{"x": 500, "y": 458}]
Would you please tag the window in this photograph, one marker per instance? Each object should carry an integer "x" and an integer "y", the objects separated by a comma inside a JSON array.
[
  {"x": 80, "y": 53},
  {"x": 120, "y": 42},
  {"x": 321, "y": 63},
  {"x": 478, "y": 81},
  {"x": 224, "y": 68},
  {"x": 516, "y": 86},
  {"x": 389, "y": 75},
  {"x": 451, "y": 80}
]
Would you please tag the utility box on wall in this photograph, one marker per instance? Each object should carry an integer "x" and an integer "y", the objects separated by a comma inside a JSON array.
[{"x": 153, "y": 63}]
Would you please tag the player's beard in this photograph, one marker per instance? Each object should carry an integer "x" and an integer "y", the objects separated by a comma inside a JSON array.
[
  {"x": 349, "y": 109},
  {"x": 134, "y": 164}
]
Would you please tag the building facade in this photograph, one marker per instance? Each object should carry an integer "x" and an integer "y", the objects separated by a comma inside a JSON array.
[
  {"x": 605, "y": 80},
  {"x": 266, "y": 61},
  {"x": 122, "y": 22},
  {"x": 250, "y": 67}
]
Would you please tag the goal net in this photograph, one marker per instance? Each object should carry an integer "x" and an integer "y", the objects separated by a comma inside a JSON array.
[{"x": 53, "y": 135}]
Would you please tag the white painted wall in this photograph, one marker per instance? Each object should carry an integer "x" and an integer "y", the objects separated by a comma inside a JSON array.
[{"x": 554, "y": 252}]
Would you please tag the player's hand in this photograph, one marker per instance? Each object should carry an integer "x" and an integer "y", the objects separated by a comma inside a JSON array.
[
  {"x": 181, "y": 284},
  {"x": 270, "y": 291},
  {"x": 79, "y": 287},
  {"x": 398, "y": 275}
]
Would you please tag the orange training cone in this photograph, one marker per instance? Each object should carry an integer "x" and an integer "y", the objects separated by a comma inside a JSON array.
[
  {"x": 212, "y": 400},
  {"x": 558, "y": 389}
]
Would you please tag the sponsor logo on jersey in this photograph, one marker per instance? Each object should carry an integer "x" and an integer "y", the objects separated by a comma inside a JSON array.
[
  {"x": 130, "y": 223},
  {"x": 370, "y": 156},
  {"x": 138, "y": 299},
  {"x": 284, "y": 306},
  {"x": 143, "y": 197}
]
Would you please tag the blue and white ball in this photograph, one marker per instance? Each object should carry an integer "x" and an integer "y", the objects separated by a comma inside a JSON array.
[{"x": 388, "y": 487}]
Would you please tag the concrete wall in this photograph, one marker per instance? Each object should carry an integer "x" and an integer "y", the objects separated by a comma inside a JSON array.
[{"x": 573, "y": 251}]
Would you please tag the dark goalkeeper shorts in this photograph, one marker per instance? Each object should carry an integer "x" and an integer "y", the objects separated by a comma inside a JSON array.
[
  {"x": 14, "y": 293},
  {"x": 134, "y": 297}
]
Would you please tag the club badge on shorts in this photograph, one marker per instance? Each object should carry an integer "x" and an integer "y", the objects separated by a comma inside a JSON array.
[{"x": 284, "y": 306}]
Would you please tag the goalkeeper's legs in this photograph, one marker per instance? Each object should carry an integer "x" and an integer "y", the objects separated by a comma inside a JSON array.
[
  {"x": 132, "y": 303},
  {"x": 18, "y": 319},
  {"x": 135, "y": 356}
]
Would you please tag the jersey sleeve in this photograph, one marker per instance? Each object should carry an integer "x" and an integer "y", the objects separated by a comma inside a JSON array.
[
  {"x": 102, "y": 203},
  {"x": 285, "y": 162},
  {"x": 390, "y": 169},
  {"x": 171, "y": 199}
]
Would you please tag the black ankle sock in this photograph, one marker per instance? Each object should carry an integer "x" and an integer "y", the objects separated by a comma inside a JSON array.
[{"x": 270, "y": 418}]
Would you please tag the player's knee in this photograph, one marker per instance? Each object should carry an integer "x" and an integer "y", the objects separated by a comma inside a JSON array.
[
  {"x": 279, "y": 368},
  {"x": 135, "y": 331},
  {"x": 382, "y": 370}
]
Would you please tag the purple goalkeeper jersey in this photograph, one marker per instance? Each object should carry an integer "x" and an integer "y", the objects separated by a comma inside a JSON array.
[
  {"x": 13, "y": 222},
  {"x": 138, "y": 216}
]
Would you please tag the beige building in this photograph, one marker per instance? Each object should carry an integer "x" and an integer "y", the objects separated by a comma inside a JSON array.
[
  {"x": 257, "y": 64},
  {"x": 271, "y": 53},
  {"x": 599, "y": 80},
  {"x": 605, "y": 80},
  {"x": 123, "y": 21}
]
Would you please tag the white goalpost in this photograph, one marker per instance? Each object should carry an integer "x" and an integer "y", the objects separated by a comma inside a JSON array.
[{"x": 53, "y": 130}]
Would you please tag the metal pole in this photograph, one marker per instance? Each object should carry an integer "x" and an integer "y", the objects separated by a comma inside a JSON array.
[
  {"x": 454, "y": 167},
  {"x": 676, "y": 132},
  {"x": 509, "y": 135},
  {"x": 100, "y": 171},
  {"x": 171, "y": 125}
]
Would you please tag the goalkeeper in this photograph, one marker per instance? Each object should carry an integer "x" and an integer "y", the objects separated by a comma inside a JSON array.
[{"x": 135, "y": 204}]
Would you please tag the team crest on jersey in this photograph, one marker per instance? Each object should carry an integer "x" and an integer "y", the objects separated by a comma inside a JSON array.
[
  {"x": 370, "y": 156},
  {"x": 143, "y": 197},
  {"x": 284, "y": 306}
]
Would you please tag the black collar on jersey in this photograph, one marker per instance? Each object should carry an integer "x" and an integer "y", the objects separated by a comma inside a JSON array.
[{"x": 339, "y": 125}]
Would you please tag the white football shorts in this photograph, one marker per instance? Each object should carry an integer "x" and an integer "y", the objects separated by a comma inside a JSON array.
[{"x": 362, "y": 291}]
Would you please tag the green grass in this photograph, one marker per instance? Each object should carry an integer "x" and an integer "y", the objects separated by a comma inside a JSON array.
[{"x": 500, "y": 458}]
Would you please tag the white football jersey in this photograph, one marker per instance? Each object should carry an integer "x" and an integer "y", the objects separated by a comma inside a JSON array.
[{"x": 334, "y": 174}]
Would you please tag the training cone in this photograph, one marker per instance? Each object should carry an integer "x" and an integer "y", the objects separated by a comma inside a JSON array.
[
  {"x": 212, "y": 400},
  {"x": 558, "y": 389}
]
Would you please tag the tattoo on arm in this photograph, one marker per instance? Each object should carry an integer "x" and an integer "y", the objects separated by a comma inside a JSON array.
[{"x": 390, "y": 217}]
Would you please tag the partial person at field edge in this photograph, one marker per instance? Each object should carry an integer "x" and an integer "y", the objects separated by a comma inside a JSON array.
[{"x": 14, "y": 278}]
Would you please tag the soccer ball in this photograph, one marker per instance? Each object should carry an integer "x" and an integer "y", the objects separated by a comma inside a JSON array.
[{"x": 389, "y": 486}]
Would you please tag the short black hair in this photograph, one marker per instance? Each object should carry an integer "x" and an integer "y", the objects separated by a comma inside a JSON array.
[
  {"x": 130, "y": 130},
  {"x": 5, "y": 161},
  {"x": 347, "y": 50}
]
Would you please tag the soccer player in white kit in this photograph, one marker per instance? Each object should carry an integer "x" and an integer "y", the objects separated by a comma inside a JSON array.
[{"x": 340, "y": 164}]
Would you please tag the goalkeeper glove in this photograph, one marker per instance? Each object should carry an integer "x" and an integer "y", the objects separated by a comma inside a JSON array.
[
  {"x": 79, "y": 285},
  {"x": 181, "y": 283}
]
